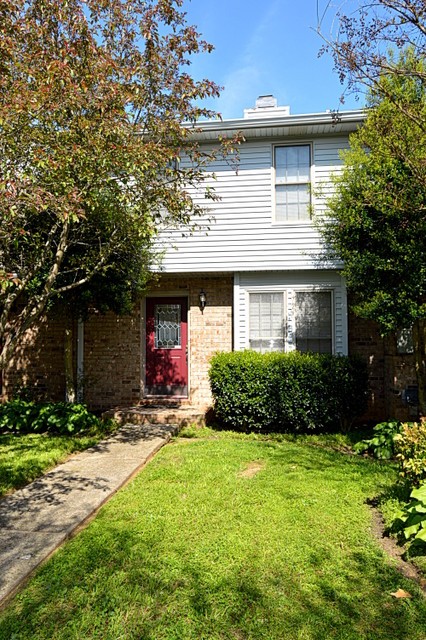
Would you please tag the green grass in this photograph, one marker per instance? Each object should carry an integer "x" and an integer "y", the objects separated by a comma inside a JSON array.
[
  {"x": 24, "y": 458},
  {"x": 196, "y": 549}
]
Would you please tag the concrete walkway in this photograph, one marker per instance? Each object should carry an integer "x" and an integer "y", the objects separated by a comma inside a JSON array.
[{"x": 37, "y": 519}]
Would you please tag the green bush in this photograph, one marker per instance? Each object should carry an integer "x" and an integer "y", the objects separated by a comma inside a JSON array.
[
  {"x": 18, "y": 416},
  {"x": 413, "y": 516},
  {"x": 291, "y": 392},
  {"x": 63, "y": 417},
  {"x": 21, "y": 416},
  {"x": 410, "y": 448},
  {"x": 382, "y": 444}
]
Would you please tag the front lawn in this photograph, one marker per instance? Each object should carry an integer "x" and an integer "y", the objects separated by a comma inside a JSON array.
[{"x": 228, "y": 537}]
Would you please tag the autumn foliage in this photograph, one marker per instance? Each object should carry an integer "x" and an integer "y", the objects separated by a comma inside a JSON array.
[{"x": 93, "y": 100}]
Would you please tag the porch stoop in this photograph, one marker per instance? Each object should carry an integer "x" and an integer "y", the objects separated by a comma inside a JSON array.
[{"x": 158, "y": 413}]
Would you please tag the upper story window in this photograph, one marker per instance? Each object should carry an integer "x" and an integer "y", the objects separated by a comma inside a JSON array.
[
  {"x": 404, "y": 341},
  {"x": 292, "y": 166}
]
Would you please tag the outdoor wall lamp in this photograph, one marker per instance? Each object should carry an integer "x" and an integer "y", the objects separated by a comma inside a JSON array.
[{"x": 203, "y": 300}]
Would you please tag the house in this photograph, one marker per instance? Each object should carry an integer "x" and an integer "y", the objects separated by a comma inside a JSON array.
[{"x": 249, "y": 277}]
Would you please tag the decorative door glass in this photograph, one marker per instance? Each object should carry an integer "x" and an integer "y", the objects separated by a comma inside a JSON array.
[{"x": 167, "y": 325}]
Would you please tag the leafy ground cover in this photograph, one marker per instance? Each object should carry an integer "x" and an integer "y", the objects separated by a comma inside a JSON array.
[
  {"x": 26, "y": 457},
  {"x": 233, "y": 537}
]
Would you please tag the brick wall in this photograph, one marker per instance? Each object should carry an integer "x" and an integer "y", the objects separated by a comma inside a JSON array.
[
  {"x": 365, "y": 341},
  {"x": 38, "y": 362},
  {"x": 389, "y": 372},
  {"x": 113, "y": 350},
  {"x": 112, "y": 360},
  {"x": 113, "y": 353},
  {"x": 399, "y": 374}
]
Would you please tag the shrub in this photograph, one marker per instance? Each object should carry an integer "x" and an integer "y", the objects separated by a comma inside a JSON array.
[
  {"x": 410, "y": 447},
  {"x": 382, "y": 444},
  {"x": 62, "y": 418},
  {"x": 291, "y": 392},
  {"x": 413, "y": 516},
  {"x": 242, "y": 389},
  {"x": 18, "y": 415}
]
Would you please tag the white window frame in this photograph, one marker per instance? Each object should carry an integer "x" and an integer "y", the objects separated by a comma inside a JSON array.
[
  {"x": 308, "y": 219},
  {"x": 332, "y": 312},
  {"x": 283, "y": 294},
  {"x": 289, "y": 307}
]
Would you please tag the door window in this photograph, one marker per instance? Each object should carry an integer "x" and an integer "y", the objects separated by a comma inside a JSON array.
[{"x": 167, "y": 323}]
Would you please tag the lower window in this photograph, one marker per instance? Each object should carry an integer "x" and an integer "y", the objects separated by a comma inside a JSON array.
[
  {"x": 311, "y": 322},
  {"x": 267, "y": 322}
]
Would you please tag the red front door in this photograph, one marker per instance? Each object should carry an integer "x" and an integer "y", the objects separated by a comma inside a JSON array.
[{"x": 166, "y": 347}]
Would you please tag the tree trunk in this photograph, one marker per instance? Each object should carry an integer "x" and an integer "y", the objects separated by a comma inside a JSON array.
[
  {"x": 419, "y": 338},
  {"x": 70, "y": 390}
]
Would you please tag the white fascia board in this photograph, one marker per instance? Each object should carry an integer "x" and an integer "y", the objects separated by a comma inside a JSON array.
[{"x": 336, "y": 122}]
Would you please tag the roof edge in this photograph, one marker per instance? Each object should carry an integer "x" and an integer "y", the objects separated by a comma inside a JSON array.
[{"x": 245, "y": 124}]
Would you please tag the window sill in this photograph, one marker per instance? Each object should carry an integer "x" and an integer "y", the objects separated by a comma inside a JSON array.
[{"x": 300, "y": 223}]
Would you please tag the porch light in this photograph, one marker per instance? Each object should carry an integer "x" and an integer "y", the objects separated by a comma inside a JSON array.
[{"x": 203, "y": 300}]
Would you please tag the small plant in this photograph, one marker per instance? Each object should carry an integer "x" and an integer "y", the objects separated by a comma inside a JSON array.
[
  {"x": 20, "y": 416},
  {"x": 17, "y": 416},
  {"x": 63, "y": 418},
  {"x": 382, "y": 444},
  {"x": 410, "y": 448},
  {"x": 413, "y": 516}
]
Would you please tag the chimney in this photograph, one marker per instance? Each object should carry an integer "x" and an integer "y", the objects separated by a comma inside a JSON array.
[{"x": 266, "y": 106}]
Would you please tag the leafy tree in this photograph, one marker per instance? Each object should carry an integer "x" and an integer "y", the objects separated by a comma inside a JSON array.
[
  {"x": 362, "y": 35},
  {"x": 93, "y": 97},
  {"x": 376, "y": 220},
  {"x": 381, "y": 235}
]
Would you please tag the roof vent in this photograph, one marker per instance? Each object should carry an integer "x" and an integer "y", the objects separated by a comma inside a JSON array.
[{"x": 266, "y": 106}]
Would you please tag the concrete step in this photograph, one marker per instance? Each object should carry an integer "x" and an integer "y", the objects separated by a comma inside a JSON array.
[{"x": 182, "y": 415}]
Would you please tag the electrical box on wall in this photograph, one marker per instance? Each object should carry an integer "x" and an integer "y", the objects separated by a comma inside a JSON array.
[{"x": 410, "y": 395}]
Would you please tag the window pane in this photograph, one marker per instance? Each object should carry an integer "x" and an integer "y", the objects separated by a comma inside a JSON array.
[
  {"x": 313, "y": 321},
  {"x": 167, "y": 326},
  {"x": 292, "y": 179},
  {"x": 404, "y": 341},
  {"x": 265, "y": 346},
  {"x": 292, "y": 164},
  {"x": 266, "y": 318},
  {"x": 292, "y": 203}
]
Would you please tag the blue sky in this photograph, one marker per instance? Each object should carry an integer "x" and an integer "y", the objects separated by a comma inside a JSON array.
[{"x": 266, "y": 47}]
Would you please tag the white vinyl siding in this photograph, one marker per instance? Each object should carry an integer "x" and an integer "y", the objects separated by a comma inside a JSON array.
[
  {"x": 292, "y": 168},
  {"x": 328, "y": 162},
  {"x": 239, "y": 232}
]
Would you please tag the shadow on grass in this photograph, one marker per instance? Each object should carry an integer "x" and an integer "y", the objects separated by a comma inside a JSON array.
[
  {"x": 25, "y": 458},
  {"x": 417, "y": 550},
  {"x": 117, "y": 581},
  {"x": 130, "y": 576}
]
